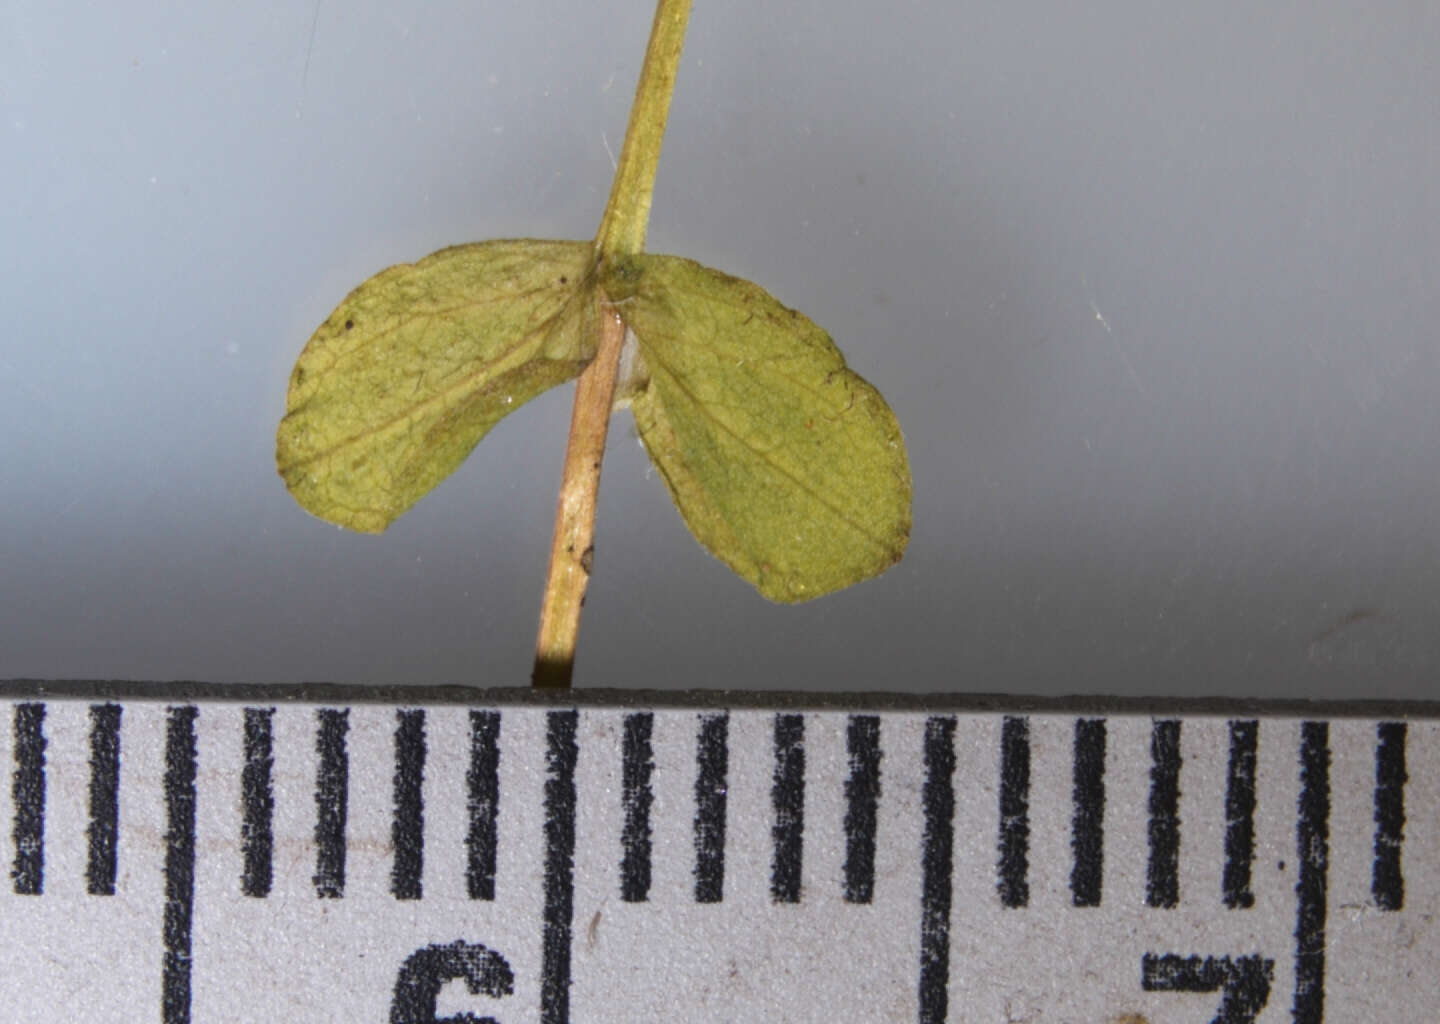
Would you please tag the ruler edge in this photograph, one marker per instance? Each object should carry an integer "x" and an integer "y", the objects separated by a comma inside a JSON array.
[{"x": 190, "y": 691}]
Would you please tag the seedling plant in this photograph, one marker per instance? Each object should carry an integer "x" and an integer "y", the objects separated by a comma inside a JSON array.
[{"x": 784, "y": 463}]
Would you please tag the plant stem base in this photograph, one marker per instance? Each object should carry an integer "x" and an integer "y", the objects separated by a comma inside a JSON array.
[{"x": 573, "y": 547}]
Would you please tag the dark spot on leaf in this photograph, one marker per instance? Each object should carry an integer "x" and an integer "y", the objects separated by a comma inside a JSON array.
[
  {"x": 564, "y": 279},
  {"x": 349, "y": 324},
  {"x": 299, "y": 375},
  {"x": 587, "y": 559}
]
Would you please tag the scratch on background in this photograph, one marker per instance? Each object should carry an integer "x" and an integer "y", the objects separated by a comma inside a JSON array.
[
  {"x": 1119, "y": 348},
  {"x": 309, "y": 49}
]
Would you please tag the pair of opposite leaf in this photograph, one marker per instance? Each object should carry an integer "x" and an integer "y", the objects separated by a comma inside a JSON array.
[{"x": 785, "y": 464}]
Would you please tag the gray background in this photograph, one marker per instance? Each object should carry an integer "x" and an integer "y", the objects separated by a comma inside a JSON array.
[{"x": 1151, "y": 288}]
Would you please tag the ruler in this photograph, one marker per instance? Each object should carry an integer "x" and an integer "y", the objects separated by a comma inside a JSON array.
[{"x": 193, "y": 853}]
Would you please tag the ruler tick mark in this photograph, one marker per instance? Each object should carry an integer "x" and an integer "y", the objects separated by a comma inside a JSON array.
[
  {"x": 560, "y": 757},
  {"x": 407, "y": 829},
  {"x": 638, "y": 763},
  {"x": 257, "y": 840},
  {"x": 862, "y": 795},
  {"x": 1087, "y": 828},
  {"x": 104, "y": 799},
  {"x": 1312, "y": 841},
  {"x": 936, "y": 866},
  {"x": 180, "y": 771},
  {"x": 28, "y": 795},
  {"x": 482, "y": 804},
  {"x": 1240, "y": 814},
  {"x": 1014, "y": 884},
  {"x": 787, "y": 795},
  {"x": 1387, "y": 883},
  {"x": 332, "y": 792},
  {"x": 712, "y": 757},
  {"x": 1162, "y": 887}
]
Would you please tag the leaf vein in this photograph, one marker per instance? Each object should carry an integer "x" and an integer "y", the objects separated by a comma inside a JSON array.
[{"x": 764, "y": 456}]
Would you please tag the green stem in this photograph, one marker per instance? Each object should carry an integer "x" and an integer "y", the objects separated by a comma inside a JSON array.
[
  {"x": 627, "y": 214},
  {"x": 622, "y": 232}
]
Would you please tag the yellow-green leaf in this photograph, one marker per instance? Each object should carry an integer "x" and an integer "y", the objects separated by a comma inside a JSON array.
[
  {"x": 394, "y": 390},
  {"x": 785, "y": 464}
]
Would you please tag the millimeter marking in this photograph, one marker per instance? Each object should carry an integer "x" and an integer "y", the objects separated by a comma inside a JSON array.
[
  {"x": 863, "y": 742},
  {"x": 1088, "y": 824},
  {"x": 1388, "y": 884},
  {"x": 257, "y": 837},
  {"x": 332, "y": 797},
  {"x": 1312, "y": 840},
  {"x": 937, "y": 865},
  {"x": 104, "y": 799},
  {"x": 1240, "y": 814},
  {"x": 29, "y": 797},
  {"x": 180, "y": 769},
  {"x": 559, "y": 865}
]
